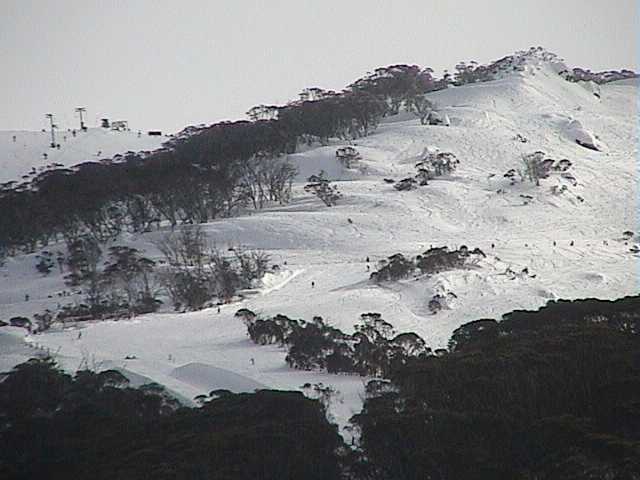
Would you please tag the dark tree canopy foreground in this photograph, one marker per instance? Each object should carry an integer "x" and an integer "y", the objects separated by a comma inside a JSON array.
[
  {"x": 552, "y": 394},
  {"x": 92, "y": 426}
]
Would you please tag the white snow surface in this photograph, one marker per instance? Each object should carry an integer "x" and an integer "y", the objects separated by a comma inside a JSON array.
[
  {"x": 203, "y": 376},
  {"x": 578, "y": 133},
  {"x": 192, "y": 353}
]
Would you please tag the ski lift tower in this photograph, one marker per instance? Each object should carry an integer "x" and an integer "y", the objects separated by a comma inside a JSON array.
[
  {"x": 82, "y": 110},
  {"x": 53, "y": 126}
]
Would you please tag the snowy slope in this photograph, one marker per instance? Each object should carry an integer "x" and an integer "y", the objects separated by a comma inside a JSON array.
[
  {"x": 19, "y": 157},
  {"x": 321, "y": 245}
]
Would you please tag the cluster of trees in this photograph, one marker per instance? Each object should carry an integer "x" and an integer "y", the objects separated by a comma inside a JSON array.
[
  {"x": 434, "y": 260},
  {"x": 118, "y": 284},
  {"x": 549, "y": 394},
  {"x": 472, "y": 72},
  {"x": 373, "y": 350},
  {"x": 435, "y": 164},
  {"x": 196, "y": 272},
  {"x": 537, "y": 166},
  {"x": 431, "y": 165},
  {"x": 93, "y": 425},
  {"x": 121, "y": 282},
  {"x": 606, "y": 76},
  {"x": 400, "y": 86}
]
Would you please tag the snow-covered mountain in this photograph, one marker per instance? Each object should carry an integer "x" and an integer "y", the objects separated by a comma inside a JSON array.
[
  {"x": 562, "y": 239},
  {"x": 26, "y": 152}
]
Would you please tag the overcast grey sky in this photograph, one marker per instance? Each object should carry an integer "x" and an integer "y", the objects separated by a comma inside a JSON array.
[{"x": 167, "y": 64}]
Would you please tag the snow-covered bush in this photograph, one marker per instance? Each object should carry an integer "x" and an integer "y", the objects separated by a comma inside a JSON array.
[
  {"x": 43, "y": 321},
  {"x": 441, "y": 301},
  {"x": 348, "y": 156},
  {"x": 511, "y": 175},
  {"x": 436, "y": 304},
  {"x": 322, "y": 188},
  {"x": 562, "y": 165},
  {"x": 536, "y": 167},
  {"x": 45, "y": 262},
  {"x": 21, "y": 322},
  {"x": 405, "y": 184},
  {"x": 434, "y": 260},
  {"x": 437, "y": 118},
  {"x": 432, "y": 164},
  {"x": 435, "y": 164}
]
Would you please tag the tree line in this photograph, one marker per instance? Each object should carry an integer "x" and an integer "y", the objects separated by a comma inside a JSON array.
[
  {"x": 550, "y": 394},
  {"x": 373, "y": 350},
  {"x": 204, "y": 173},
  {"x": 94, "y": 425},
  {"x": 200, "y": 174}
]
